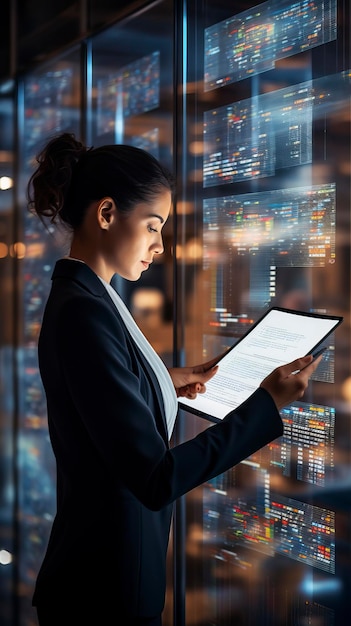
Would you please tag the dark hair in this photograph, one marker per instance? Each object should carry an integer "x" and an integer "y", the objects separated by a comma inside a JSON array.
[{"x": 70, "y": 176}]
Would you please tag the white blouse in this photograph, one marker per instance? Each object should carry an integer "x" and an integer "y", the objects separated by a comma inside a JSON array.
[{"x": 161, "y": 372}]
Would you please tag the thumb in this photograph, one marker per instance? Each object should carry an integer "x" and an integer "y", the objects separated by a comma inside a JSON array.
[
  {"x": 196, "y": 383},
  {"x": 207, "y": 375},
  {"x": 202, "y": 377}
]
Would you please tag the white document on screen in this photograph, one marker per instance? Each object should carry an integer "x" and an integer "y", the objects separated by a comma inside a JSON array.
[{"x": 279, "y": 337}]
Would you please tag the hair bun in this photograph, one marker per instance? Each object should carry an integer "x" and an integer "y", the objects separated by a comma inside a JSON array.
[{"x": 48, "y": 186}]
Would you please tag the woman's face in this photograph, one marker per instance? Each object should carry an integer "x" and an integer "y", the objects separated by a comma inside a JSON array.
[{"x": 135, "y": 238}]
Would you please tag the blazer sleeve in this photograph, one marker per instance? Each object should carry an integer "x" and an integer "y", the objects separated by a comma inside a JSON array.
[{"x": 105, "y": 387}]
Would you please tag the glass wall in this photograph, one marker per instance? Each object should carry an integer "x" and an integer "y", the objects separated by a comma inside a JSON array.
[
  {"x": 105, "y": 91},
  {"x": 266, "y": 221},
  {"x": 7, "y": 356},
  {"x": 49, "y": 103},
  {"x": 249, "y": 103},
  {"x": 132, "y": 102}
]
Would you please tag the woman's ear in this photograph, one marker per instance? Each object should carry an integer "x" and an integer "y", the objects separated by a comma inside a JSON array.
[{"x": 105, "y": 213}]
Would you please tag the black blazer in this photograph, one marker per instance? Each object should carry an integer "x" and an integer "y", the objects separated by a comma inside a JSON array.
[{"x": 116, "y": 474}]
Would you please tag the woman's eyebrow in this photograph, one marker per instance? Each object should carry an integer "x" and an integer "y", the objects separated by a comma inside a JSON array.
[{"x": 157, "y": 216}]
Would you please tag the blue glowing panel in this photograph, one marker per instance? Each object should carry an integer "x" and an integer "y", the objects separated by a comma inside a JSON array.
[
  {"x": 281, "y": 228},
  {"x": 133, "y": 90},
  {"x": 238, "y": 142},
  {"x": 306, "y": 449},
  {"x": 240, "y": 509},
  {"x": 294, "y": 227},
  {"x": 46, "y": 111},
  {"x": 252, "y": 41},
  {"x": 237, "y": 509},
  {"x": 309, "y": 433},
  {"x": 304, "y": 532},
  {"x": 253, "y": 138}
]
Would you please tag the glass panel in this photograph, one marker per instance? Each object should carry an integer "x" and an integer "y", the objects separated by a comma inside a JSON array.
[
  {"x": 49, "y": 104},
  {"x": 133, "y": 104},
  {"x": 7, "y": 408},
  {"x": 265, "y": 199}
]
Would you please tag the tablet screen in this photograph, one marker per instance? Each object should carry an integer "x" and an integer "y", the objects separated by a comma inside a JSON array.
[{"x": 277, "y": 338}]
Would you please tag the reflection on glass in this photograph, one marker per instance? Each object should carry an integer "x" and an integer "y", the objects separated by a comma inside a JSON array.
[
  {"x": 50, "y": 106},
  {"x": 133, "y": 90},
  {"x": 132, "y": 103},
  {"x": 7, "y": 354},
  {"x": 255, "y": 137},
  {"x": 269, "y": 189},
  {"x": 254, "y": 40}
]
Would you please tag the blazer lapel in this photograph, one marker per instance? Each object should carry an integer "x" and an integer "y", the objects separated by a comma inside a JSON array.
[{"x": 83, "y": 274}]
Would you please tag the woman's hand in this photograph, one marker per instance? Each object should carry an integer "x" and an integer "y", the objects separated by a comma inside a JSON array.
[
  {"x": 189, "y": 381},
  {"x": 285, "y": 384},
  {"x": 289, "y": 382}
]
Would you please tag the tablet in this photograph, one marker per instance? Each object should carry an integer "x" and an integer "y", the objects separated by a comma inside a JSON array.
[{"x": 281, "y": 335}]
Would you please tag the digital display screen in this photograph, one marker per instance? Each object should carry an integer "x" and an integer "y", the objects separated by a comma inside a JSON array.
[
  {"x": 254, "y": 138},
  {"x": 305, "y": 452},
  {"x": 130, "y": 91},
  {"x": 245, "y": 513},
  {"x": 306, "y": 533},
  {"x": 272, "y": 111},
  {"x": 252, "y": 41},
  {"x": 45, "y": 96},
  {"x": 284, "y": 228},
  {"x": 290, "y": 227}
]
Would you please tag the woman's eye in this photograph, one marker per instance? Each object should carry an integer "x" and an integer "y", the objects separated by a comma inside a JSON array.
[{"x": 152, "y": 230}]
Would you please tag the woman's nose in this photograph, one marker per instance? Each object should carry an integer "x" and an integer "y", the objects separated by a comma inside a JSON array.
[{"x": 158, "y": 246}]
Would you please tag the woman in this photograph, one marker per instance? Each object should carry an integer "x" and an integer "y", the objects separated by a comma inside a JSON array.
[{"x": 111, "y": 402}]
